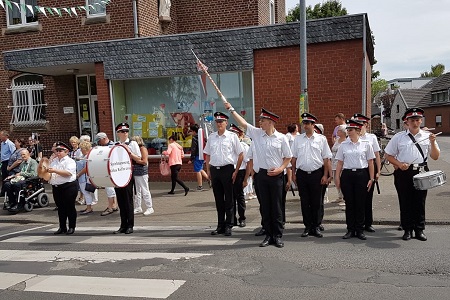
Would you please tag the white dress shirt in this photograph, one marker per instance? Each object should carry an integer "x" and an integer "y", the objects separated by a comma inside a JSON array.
[
  {"x": 310, "y": 151},
  {"x": 223, "y": 149},
  {"x": 372, "y": 139},
  {"x": 67, "y": 164},
  {"x": 134, "y": 147},
  {"x": 355, "y": 155},
  {"x": 403, "y": 149},
  {"x": 269, "y": 151}
]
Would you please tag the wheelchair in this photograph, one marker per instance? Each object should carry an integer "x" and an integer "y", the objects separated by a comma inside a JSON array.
[{"x": 32, "y": 194}]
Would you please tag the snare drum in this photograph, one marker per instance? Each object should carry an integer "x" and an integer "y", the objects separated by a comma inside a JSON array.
[
  {"x": 429, "y": 180},
  {"x": 109, "y": 166}
]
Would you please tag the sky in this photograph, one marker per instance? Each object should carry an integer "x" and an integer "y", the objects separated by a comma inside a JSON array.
[{"x": 410, "y": 35}]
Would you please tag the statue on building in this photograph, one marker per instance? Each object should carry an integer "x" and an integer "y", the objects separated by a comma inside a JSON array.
[{"x": 164, "y": 8}]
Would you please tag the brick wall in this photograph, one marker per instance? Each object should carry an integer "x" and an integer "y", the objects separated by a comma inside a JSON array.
[
  {"x": 430, "y": 118},
  {"x": 334, "y": 81}
]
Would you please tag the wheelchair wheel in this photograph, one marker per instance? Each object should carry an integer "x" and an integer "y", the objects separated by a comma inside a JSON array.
[
  {"x": 42, "y": 200},
  {"x": 28, "y": 206}
]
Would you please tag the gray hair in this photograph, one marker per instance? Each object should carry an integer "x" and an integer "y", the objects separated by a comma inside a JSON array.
[{"x": 342, "y": 128}]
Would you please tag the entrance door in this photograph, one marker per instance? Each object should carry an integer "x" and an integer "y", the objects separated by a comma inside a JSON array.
[{"x": 87, "y": 105}]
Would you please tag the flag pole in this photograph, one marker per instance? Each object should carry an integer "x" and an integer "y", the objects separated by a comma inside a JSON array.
[{"x": 205, "y": 70}]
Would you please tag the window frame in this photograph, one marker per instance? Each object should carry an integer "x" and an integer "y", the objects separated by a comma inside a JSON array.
[{"x": 23, "y": 16}]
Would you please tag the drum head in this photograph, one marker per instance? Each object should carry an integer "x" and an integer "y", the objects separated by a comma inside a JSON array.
[
  {"x": 428, "y": 174},
  {"x": 42, "y": 169},
  {"x": 119, "y": 167}
]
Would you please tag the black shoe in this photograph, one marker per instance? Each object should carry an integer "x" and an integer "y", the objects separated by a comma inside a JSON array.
[
  {"x": 360, "y": 235},
  {"x": 321, "y": 227},
  {"x": 400, "y": 228},
  {"x": 369, "y": 229},
  {"x": 316, "y": 232},
  {"x": 242, "y": 223},
  {"x": 420, "y": 235},
  {"x": 218, "y": 230},
  {"x": 120, "y": 230},
  {"x": 70, "y": 231},
  {"x": 129, "y": 230},
  {"x": 267, "y": 241},
  {"x": 171, "y": 193},
  {"x": 227, "y": 231},
  {"x": 261, "y": 232},
  {"x": 60, "y": 231},
  {"x": 305, "y": 233},
  {"x": 186, "y": 191},
  {"x": 348, "y": 235},
  {"x": 407, "y": 235},
  {"x": 278, "y": 242}
]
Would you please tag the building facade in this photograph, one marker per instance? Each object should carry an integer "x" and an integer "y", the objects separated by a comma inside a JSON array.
[{"x": 97, "y": 73}]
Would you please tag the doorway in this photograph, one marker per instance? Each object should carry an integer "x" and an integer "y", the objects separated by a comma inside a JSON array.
[{"x": 87, "y": 105}]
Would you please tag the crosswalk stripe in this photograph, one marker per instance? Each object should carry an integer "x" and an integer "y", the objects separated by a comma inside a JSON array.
[
  {"x": 100, "y": 286},
  {"x": 123, "y": 239},
  {"x": 138, "y": 229},
  {"x": 92, "y": 257}
]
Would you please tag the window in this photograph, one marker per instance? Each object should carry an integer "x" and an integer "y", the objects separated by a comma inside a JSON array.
[
  {"x": 96, "y": 7},
  {"x": 438, "y": 121},
  {"x": 398, "y": 109},
  {"x": 397, "y": 123},
  {"x": 21, "y": 17},
  {"x": 28, "y": 101},
  {"x": 271, "y": 12}
]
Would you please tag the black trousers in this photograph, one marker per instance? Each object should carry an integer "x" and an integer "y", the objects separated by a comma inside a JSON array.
[
  {"x": 283, "y": 199},
  {"x": 12, "y": 190},
  {"x": 4, "y": 169},
  {"x": 222, "y": 184},
  {"x": 270, "y": 189},
  {"x": 311, "y": 197},
  {"x": 174, "y": 170},
  {"x": 322, "y": 204},
  {"x": 412, "y": 201},
  {"x": 368, "y": 220},
  {"x": 255, "y": 185},
  {"x": 354, "y": 189},
  {"x": 238, "y": 195},
  {"x": 125, "y": 201},
  {"x": 64, "y": 196}
]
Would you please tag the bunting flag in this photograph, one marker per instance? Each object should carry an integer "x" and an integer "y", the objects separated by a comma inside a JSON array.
[{"x": 71, "y": 11}]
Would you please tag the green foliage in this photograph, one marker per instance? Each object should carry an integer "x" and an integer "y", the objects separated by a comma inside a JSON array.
[
  {"x": 328, "y": 8},
  {"x": 436, "y": 71},
  {"x": 378, "y": 85}
]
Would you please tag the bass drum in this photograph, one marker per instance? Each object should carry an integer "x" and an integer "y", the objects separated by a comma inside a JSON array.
[
  {"x": 429, "y": 180},
  {"x": 109, "y": 166}
]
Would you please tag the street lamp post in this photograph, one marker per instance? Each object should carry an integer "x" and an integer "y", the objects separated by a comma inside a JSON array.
[{"x": 303, "y": 104}]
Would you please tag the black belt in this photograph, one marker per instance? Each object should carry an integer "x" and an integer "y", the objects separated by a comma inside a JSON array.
[
  {"x": 310, "y": 172},
  {"x": 355, "y": 170},
  {"x": 416, "y": 167},
  {"x": 63, "y": 184},
  {"x": 222, "y": 167}
]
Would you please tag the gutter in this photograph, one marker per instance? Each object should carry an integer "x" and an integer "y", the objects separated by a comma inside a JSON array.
[
  {"x": 135, "y": 19},
  {"x": 364, "y": 68}
]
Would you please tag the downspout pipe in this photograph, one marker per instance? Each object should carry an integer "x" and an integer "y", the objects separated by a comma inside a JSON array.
[
  {"x": 364, "y": 68},
  {"x": 135, "y": 19}
]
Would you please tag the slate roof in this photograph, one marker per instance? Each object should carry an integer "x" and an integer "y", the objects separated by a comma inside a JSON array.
[
  {"x": 170, "y": 55},
  {"x": 440, "y": 83},
  {"x": 413, "y": 97}
]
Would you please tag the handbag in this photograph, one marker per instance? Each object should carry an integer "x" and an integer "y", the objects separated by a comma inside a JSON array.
[
  {"x": 90, "y": 187},
  {"x": 164, "y": 167}
]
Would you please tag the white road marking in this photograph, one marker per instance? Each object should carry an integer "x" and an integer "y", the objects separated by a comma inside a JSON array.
[
  {"x": 91, "y": 257},
  {"x": 138, "y": 229},
  {"x": 101, "y": 286},
  {"x": 21, "y": 231},
  {"x": 10, "y": 279},
  {"x": 124, "y": 239}
]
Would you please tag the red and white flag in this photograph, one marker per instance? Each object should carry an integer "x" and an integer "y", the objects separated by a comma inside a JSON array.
[{"x": 201, "y": 66}]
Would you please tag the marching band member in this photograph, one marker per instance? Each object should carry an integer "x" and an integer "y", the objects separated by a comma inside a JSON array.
[
  {"x": 125, "y": 194},
  {"x": 310, "y": 153},
  {"x": 355, "y": 176},
  {"x": 238, "y": 185},
  {"x": 223, "y": 150},
  {"x": 408, "y": 152},
  {"x": 63, "y": 170},
  {"x": 372, "y": 139},
  {"x": 272, "y": 155}
]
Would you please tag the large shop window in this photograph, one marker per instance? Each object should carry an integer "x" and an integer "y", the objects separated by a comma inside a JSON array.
[
  {"x": 156, "y": 108},
  {"x": 17, "y": 16},
  {"x": 28, "y": 101}
]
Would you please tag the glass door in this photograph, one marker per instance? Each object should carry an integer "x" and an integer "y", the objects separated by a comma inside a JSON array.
[{"x": 87, "y": 105}]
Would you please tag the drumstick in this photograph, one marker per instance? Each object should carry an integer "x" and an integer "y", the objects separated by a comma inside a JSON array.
[
  {"x": 429, "y": 129},
  {"x": 427, "y": 138}
]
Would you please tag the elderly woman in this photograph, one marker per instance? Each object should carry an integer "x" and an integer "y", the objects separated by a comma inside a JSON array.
[
  {"x": 83, "y": 179},
  {"x": 15, "y": 160},
  {"x": 65, "y": 188}
]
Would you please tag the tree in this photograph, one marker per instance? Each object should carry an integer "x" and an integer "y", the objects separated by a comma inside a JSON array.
[
  {"x": 378, "y": 85},
  {"x": 436, "y": 71},
  {"x": 329, "y": 8}
]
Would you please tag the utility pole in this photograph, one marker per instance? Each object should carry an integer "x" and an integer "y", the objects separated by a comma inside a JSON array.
[{"x": 303, "y": 105}]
